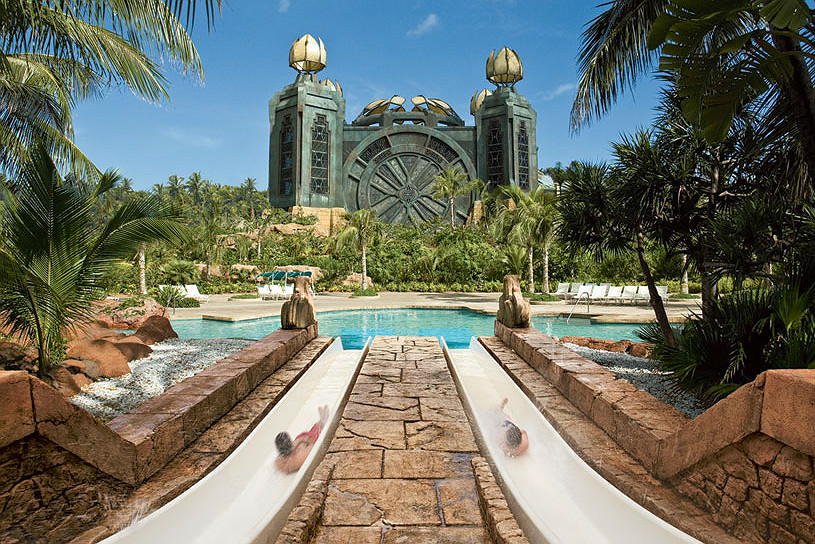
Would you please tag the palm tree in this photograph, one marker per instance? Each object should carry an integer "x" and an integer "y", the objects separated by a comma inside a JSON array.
[
  {"x": 530, "y": 222},
  {"x": 360, "y": 230},
  {"x": 55, "y": 54},
  {"x": 450, "y": 184},
  {"x": 196, "y": 189},
  {"x": 51, "y": 255}
]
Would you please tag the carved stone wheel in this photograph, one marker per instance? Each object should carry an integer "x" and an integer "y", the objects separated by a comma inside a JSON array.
[{"x": 396, "y": 178}]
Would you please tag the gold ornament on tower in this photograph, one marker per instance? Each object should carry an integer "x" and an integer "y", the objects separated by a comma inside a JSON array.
[
  {"x": 333, "y": 85},
  {"x": 478, "y": 99},
  {"x": 505, "y": 68},
  {"x": 307, "y": 54}
]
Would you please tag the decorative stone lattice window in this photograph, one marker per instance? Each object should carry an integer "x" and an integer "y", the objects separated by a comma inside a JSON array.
[
  {"x": 523, "y": 157},
  {"x": 286, "y": 157},
  {"x": 495, "y": 155},
  {"x": 319, "y": 155}
]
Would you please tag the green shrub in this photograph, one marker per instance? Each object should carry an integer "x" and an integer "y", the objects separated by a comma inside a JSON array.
[
  {"x": 541, "y": 297},
  {"x": 304, "y": 219},
  {"x": 185, "y": 302},
  {"x": 369, "y": 292},
  {"x": 177, "y": 273},
  {"x": 131, "y": 302},
  {"x": 243, "y": 296},
  {"x": 684, "y": 296}
]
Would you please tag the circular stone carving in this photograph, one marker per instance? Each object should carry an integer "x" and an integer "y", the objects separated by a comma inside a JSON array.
[{"x": 397, "y": 179}]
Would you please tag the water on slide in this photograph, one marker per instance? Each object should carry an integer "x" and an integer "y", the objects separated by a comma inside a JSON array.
[
  {"x": 246, "y": 499},
  {"x": 556, "y": 497}
]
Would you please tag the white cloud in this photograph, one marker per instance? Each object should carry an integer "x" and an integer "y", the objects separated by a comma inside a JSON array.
[
  {"x": 284, "y": 6},
  {"x": 559, "y": 90},
  {"x": 430, "y": 22},
  {"x": 190, "y": 139}
]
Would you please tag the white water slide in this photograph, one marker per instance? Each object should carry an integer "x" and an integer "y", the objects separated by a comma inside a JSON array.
[
  {"x": 556, "y": 497},
  {"x": 246, "y": 499}
]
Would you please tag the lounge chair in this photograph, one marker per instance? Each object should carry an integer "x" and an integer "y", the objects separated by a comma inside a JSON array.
[
  {"x": 598, "y": 292},
  {"x": 191, "y": 291},
  {"x": 264, "y": 291},
  {"x": 615, "y": 294},
  {"x": 562, "y": 290},
  {"x": 643, "y": 295},
  {"x": 583, "y": 292},
  {"x": 573, "y": 291},
  {"x": 629, "y": 293},
  {"x": 662, "y": 290}
]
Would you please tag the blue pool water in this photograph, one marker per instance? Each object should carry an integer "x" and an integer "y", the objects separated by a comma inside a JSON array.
[{"x": 354, "y": 326}]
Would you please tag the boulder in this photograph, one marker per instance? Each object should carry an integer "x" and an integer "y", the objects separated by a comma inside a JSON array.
[
  {"x": 513, "y": 309},
  {"x": 617, "y": 346},
  {"x": 156, "y": 328},
  {"x": 96, "y": 329},
  {"x": 213, "y": 270},
  {"x": 355, "y": 278},
  {"x": 81, "y": 380},
  {"x": 639, "y": 349},
  {"x": 129, "y": 318},
  {"x": 110, "y": 361},
  {"x": 235, "y": 269},
  {"x": 298, "y": 311},
  {"x": 63, "y": 381},
  {"x": 290, "y": 228},
  {"x": 133, "y": 348},
  {"x": 75, "y": 366},
  {"x": 14, "y": 356}
]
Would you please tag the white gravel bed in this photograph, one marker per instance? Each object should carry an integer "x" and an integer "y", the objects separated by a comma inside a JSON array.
[
  {"x": 644, "y": 374},
  {"x": 171, "y": 361}
]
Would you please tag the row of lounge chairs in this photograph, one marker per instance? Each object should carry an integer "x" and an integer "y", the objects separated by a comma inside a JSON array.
[
  {"x": 277, "y": 283},
  {"x": 605, "y": 292}
]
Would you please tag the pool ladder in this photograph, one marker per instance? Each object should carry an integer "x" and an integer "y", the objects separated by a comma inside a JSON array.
[{"x": 576, "y": 302}]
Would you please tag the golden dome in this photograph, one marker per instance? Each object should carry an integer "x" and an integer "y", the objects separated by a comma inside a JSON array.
[
  {"x": 333, "y": 85},
  {"x": 505, "y": 68},
  {"x": 478, "y": 99},
  {"x": 307, "y": 54}
]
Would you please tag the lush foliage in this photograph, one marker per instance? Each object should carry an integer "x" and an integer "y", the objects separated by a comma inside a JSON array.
[{"x": 52, "y": 256}]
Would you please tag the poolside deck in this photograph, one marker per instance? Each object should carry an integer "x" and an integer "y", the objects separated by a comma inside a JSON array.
[{"x": 219, "y": 307}]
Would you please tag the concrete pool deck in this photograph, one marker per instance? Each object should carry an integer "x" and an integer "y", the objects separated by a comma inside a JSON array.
[{"x": 221, "y": 308}]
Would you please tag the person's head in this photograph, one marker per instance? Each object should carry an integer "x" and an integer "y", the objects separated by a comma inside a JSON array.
[
  {"x": 283, "y": 443},
  {"x": 513, "y": 436}
]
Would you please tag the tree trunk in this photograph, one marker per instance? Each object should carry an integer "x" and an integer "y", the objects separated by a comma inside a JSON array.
[
  {"x": 259, "y": 232},
  {"x": 546, "y": 270},
  {"x": 683, "y": 281},
  {"x": 799, "y": 91},
  {"x": 453, "y": 212},
  {"x": 142, "y": 276},
  {"x": 364, "y": 268},
  {"x": 529, "y": 255},
  {"x": 709, "y": 283},
  {"x": 656, "y": 300}
]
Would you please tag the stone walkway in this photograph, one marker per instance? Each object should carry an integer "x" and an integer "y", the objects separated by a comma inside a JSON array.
[{"x": 402, "y": 454}]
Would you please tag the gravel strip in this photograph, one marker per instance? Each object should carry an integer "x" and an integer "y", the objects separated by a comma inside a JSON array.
[
  {"x": 171, "y": 361},
  {"x": 644, "y": 374}
]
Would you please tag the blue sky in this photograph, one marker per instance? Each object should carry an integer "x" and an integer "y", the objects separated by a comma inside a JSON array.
[{"x": 375, "y": 49}]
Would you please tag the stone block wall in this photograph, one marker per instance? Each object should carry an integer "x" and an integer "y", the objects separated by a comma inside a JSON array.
[
  {"x": 748, "y": 460},
  {"x": 329, "y": 220},
  {"x": 60, "y": 467}
]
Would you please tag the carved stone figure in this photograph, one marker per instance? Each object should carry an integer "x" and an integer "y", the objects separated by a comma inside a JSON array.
[
  {"x": 298, "y": 311},
  {"x": 513, "y": 308}
]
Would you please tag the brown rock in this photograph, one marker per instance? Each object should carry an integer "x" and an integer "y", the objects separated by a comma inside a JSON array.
[
  {"x": 617, "y": 346},
  {"x": 771, "y": 483},
  {"x": 74, "y": 365},
  {"x": 16, "y": 410},
  {"x": 129, "y": 318},
  {"x": 298, "y": 311},
  {"x": 355, "y": 278},
  {"x": 109, "y": 359},
  {"x": 213, "y": 270},
  {"x": 513, "y": 308},
  {"x": 14, "y": 356},
  {"x": 236, "y": 269},
  {"x": 736, "y": 489},
  {"x": 133, "y": 348},
  {"x": 156, "y": 328},
  {"x": 793, "y": 464},
  {"x": 795, "y": 494},
  {"x": 761, "y": 448},
  {"x": 63, "y": 381},
  {"x": 639, "y": 349},
  {"x": 803, "y": 526},
  {"x": 788, "y": 412},
  {"x": 735, "y": 463},
  {"x": 81, "y": 380}
]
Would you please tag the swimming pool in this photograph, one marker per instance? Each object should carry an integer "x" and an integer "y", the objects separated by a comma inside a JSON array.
[{"x": 353, "y": 326}]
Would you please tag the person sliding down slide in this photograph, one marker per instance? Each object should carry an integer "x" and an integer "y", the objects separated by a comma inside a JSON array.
[
  {"x": 292, "y": 454},
  {"x": 513, "y": 440}
]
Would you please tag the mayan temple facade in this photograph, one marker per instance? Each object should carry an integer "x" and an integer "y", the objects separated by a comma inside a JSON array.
[{"x": 387, "y": 157}]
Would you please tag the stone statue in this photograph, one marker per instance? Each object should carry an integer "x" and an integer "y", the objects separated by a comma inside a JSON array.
[
  {"x": 513, "y": 308},
  {"x": 298, "y": 311}
]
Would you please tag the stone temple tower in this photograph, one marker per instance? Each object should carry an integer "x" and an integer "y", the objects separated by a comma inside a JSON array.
[
  {"x": 505, "y": 126},
  {"x": 387, "y": 158},
  {"x": 306, "y": 122}
]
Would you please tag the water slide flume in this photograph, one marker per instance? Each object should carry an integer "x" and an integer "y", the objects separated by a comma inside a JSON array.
[
  {"x": 556, "y": 497},
  {"x": 246, "y": 499}
]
